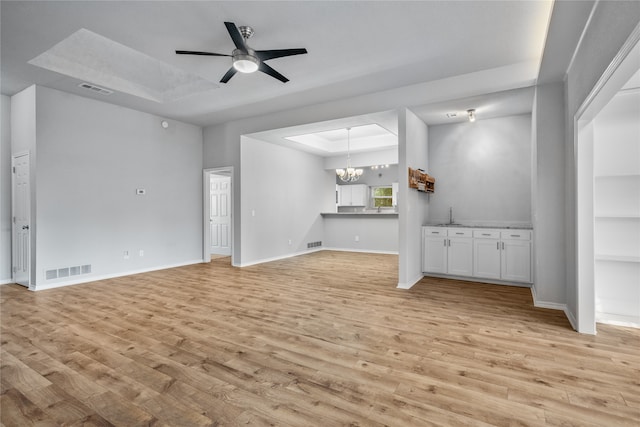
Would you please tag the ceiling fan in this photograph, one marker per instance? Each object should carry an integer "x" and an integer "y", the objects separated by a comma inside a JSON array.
[{"x": 245, "y": 59}]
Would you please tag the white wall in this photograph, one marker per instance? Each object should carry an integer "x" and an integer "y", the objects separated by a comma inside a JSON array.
[
  {"x": 609, "y": 27},
  {"x": 91, "y": 158},
  {"x": 5, "y": 189},
  {"x": 548, "y": 195},
  {"x": 222, "y": 142},
  {"x": 282, "y": 197},
  {"x": 482, "y": 170},
  {"x": 413, "y": 206},
  {"x": 381, "y": 157},
  {"x": 375, "y": 234}
]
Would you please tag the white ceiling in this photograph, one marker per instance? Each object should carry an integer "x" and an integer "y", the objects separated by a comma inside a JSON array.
[{"x": 355, "y": 47}]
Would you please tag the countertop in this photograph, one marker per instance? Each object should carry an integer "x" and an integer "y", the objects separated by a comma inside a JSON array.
[
  {"x": 509, "y": 227},
  {"x": 362, "y": 213}
]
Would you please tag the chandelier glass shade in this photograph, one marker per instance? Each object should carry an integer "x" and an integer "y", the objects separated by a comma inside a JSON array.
[{"x": 349, "y": 174}]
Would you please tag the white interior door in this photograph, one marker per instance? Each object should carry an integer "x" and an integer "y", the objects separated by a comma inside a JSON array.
[
  {"x": 220, "y": 215},
  {"x": 21, "y": 210}
]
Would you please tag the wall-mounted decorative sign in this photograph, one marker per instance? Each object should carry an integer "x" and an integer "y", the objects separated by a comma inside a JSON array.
[{"x": 421, "y": 181}]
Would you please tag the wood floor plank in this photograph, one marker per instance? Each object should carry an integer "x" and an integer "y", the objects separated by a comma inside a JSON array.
[{"x": 321, "y": 339}]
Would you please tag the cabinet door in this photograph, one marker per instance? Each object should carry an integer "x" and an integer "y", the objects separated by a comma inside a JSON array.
[
  {"x": 358, "y": 195},
  {"x": 486, "y": 258},
  {"x": 460, "y": 256},
  {"x": 516, "y": 260},
  {"x": 434, "y": 254},
  {"x": 345, "y": 195}
]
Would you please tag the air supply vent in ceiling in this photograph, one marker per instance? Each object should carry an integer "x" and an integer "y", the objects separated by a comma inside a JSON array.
[{"x": 95, "y": 88}]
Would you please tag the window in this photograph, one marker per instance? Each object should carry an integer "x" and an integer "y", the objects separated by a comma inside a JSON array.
[{"x": 382, "y": 196}]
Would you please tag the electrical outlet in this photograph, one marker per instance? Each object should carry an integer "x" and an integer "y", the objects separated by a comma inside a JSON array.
[
  {"x": 126, "y": 254},
  {"x": 289, "y": 241},
  {"x": 141, "y": 253},
  {"x": 357, "y": 239}
]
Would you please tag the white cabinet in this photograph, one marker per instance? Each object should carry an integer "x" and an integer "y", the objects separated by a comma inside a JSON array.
[
  {"x": 486, "y": 254},
  {"x": 352, "y": 195},
  {"x": 447, "y": 251},
  {"x": 434, "y": 250},
  {"x": 482, "y": 253},
  {"x": 515, "y": 259},
  {"x": 460, "y": 256}
]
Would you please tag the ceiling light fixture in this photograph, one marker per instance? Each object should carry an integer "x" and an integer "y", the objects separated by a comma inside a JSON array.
[
  {"x": 472, "y": 115},
  {"x": 245, "y": 62},
  {"x": 349, "y": 174}
]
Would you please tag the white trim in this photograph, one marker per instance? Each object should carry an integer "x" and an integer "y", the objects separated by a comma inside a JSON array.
[
  {"x": 89, "y": 279},
  {"x": 6, "y": 282},
  {"x": 582, "y": 35},
  {"x": 618, "y": 320},
  {"x": 364, "y": 251},
  {"x": 546, "y": 304},
  {"x": 478, "y": 280},
  {"x": 571, "y": 318},
  {"x": 278, "y": 258},
  {"x": 409, "y": 284}
]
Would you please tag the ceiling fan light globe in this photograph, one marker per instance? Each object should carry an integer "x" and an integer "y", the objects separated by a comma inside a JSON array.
[{"x": 245, "y": 63}]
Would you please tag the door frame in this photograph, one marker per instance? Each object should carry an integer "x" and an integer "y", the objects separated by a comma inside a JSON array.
[
  {"x": 624, "y": 65},
  {"x": 13, "y": 223},
  {"x": 206, "y": 205}
]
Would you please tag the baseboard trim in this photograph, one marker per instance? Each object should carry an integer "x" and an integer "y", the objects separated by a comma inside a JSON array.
[
  {"x": 409, "y": 284},
  {"x": 6, "y": 282},
  {"x": 88, "y": 279},
  {"x": 478, "y": 280},
  {"x": 364, "y": 251},
  {"x": 295, "y": 254},
  {"x": 277, "y": 258},
  {"x": 554, "y": 306}
]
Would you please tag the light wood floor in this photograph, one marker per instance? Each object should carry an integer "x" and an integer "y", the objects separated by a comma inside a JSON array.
[{"x": 318, "y": 340}]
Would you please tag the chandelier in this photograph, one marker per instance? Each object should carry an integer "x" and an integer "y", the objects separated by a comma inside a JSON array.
[{"x": 349, "y": 174}]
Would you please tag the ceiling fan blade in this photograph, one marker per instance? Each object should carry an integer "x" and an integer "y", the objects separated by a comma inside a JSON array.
[
  {"x": 193, "y": 52},
  {"x": 237, "y": 38},
  {"x": 265, "y": 55},
  {"x": 273, "y": 73},
  {"x": 232, "y": 71}
]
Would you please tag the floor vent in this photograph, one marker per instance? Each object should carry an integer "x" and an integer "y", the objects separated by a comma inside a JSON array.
[
  {"x": 314, "y": 244},
  {"x": 95, "y": 88},
  {"x": 59, "y": 273}
]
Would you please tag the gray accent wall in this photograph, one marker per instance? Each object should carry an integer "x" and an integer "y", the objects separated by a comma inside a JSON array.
[{"x": 482, "y": 171}]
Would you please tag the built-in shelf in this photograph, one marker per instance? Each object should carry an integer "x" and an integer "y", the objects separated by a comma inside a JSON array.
[{"x": 617, "y": 258}]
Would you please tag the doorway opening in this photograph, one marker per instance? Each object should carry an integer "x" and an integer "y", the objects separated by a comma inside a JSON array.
[
  {"x": 607, "y": 204},
  {"x": 218, "y": 215}
]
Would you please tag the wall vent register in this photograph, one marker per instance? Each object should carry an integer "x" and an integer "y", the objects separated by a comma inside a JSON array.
[{"x": 60, "y": 273}]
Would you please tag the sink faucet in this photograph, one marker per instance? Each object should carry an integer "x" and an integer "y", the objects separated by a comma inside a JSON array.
[{"x": 450, "y": 215}]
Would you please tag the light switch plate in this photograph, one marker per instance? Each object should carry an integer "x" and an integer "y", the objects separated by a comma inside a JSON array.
[{"x": 141, "y": 191}]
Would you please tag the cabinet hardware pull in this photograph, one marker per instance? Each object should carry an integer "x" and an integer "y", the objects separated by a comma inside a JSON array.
[
  {"x": 515, "y": 235},
  {"x": 486, "y": 234},
  {"x": 459, "y": 233},
  {"x": 498, "y": 245},
  {"x": 445, "y": 243},
  {"x": 503, "y": 246}
]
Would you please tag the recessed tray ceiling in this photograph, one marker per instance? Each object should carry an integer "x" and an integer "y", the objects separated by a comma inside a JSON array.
[
  {"x": 366, "y": 137},
  {"x": 88, "y": 56}
]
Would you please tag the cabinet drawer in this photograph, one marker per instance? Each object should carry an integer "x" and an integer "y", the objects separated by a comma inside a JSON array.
[
  {"x": 435, "y": 231},
  {"x": 459, "y": 232},
  {"x": 516, "y": 234},
  {"x": 486, "y": 234}
]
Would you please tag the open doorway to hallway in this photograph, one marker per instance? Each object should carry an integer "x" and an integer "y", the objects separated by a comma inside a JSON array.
[{"x": 218, "y": 214}]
